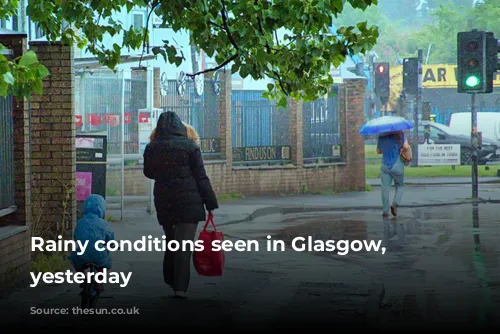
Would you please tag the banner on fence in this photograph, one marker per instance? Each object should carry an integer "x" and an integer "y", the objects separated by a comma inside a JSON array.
[
  {"x": 78, "y": 120},
  {"x": 438, "y": 155}
]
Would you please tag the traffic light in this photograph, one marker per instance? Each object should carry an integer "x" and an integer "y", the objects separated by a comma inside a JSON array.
[
  {"x": 410, "y": 75},
  {"x": 476, "y": 61},
  {"x": 382, "y": 81}
]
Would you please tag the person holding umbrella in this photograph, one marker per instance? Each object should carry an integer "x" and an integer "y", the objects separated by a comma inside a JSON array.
[
  {"x": 394, "y": 149},
  {"x": 396, "y": 153}
]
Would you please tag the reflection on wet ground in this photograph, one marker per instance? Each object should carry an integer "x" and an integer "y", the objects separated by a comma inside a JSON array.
[{"x": 441, "y": 264}]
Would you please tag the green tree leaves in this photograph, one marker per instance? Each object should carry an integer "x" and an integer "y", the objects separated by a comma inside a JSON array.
[
  {"x": 21, "y": 76},
  {"x": 286, "y": 40}
]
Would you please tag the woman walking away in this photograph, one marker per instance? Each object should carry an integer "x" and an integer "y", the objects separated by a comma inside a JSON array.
[
  {"x": 395, "y": 151},
  {"x": 191, "y": 134},
  {"x": 182, "y": 192}
]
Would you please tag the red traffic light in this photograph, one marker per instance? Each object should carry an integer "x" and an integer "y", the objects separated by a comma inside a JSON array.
[
  {"x": 381, "y": 69},
  {"x": 472, "y": 46}
]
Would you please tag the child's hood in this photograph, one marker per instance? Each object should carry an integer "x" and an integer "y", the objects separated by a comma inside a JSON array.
[{"x": 96, "y": 205}]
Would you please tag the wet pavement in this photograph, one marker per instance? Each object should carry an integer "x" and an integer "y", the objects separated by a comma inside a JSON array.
[
  {"x": 414, "y": 196},
  {"x": 259, "y": 289},
  {"x": 441, "y": 265}
]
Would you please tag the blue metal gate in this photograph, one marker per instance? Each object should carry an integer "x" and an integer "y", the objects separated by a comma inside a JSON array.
[{"x": 257, "y": 121}]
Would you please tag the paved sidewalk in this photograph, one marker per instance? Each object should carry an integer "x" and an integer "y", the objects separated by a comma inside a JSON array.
[
  {"x": 273, "y": 287},
  {"x": 258, "y": 290},
  {"x": 440, "y": 268},
  {"x": 247, "y": 209},
  {"x": 414, "y": 196}
]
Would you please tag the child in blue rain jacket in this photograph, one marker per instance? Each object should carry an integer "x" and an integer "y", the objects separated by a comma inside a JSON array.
[{"x": 92, "y": 227}]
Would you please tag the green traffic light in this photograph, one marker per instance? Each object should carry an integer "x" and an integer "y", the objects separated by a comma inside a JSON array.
[{"x": 472, "y": 81}]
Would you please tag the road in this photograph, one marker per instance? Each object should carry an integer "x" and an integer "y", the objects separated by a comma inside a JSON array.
[{"x": 440, "y": 268}]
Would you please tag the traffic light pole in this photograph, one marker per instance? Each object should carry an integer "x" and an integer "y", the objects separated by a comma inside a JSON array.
[
  {"x": 418, "y": 110},
  {"x": 474, "y": 142}
]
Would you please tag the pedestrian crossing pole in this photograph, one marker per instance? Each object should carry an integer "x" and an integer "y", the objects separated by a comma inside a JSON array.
[
  {"x": 474, "y": 141},
  {"x": 417, "y": 111}
]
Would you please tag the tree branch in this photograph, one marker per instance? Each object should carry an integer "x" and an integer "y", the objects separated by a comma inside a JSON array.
[
  {"x": 146, "y": 32},
  {"x": 269, "y": 51},
  {"x": 261, "y": 29},
  {"x": 216, "y": 25},
  {"x": 226, "y": 26},
  {"x": 218, "y": 67}
]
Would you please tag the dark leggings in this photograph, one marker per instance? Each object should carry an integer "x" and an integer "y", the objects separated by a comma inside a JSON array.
[{"x": 177, "y": 265}]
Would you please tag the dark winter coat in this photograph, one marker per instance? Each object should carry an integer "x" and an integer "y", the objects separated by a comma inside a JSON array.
[{"x": 182, "y": 189}]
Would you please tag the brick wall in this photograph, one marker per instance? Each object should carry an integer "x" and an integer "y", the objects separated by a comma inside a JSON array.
[
  {"x": 225, "y": 119},
  {"x": 15, "y": 255},
  {"x": 296, "y": 133},
  {"x": 351, "y": 96},
  {"x": 53, "y": 140},
  {"x": 300, "y": 178},
  {"x": 15, "y": 259}
]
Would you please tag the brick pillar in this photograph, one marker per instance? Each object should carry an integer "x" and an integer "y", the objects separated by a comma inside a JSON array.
[
  {"x": 22, "y": 158},
  {"x": 225, "y": 119},
  {"x": 53, "y": 139},
  {"x": 351, "y": 96},
  {"x": 296, "y": 132},
  {"x": 157, "y": 87}
]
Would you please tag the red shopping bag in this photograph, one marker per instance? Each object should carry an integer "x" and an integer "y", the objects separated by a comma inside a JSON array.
[{"x": 208, "y": 262}]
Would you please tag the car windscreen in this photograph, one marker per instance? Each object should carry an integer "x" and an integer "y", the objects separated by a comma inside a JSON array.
[{"x": 447, "y": 129}]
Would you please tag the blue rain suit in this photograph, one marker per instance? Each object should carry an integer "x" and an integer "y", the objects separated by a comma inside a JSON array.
[{"x": 92, "y": 227}]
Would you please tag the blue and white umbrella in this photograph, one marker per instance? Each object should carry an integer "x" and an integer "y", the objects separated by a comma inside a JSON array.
[{"x": 385, "y": 124}]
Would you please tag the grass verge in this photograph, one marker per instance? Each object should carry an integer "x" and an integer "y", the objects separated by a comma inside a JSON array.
[
  {"x": 372, "y": 168},
  {"x": 373, "y": 171},
  {"x": 50, "y": 263}
]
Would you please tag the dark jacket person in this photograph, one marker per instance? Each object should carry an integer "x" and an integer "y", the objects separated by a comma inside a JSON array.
[{"x": 182, "y": 192}]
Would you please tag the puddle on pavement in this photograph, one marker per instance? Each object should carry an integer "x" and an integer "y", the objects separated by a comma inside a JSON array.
[
  {"x": 443, "y": 228},
  {"x": 325, "y": 228},
  {"x": 452, "y": 250},
  {"x": 447, "y": 232}
]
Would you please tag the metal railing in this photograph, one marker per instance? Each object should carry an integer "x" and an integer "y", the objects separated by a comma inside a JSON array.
[
  {"x": 7, "y": 190},
  {"x": 321, "y": 130}
]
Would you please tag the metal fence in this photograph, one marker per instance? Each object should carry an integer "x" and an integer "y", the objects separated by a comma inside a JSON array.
[
  {"x": 321, "y": 129},
  {"x": 200, "y": 111},
  {"x": 99, "y": 106},
  {"x": 260, "y": 130},
  {"x": 6, "y": 154}
]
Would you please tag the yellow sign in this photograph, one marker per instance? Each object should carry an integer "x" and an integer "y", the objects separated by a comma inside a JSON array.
[{"x": 433, "y": 76}]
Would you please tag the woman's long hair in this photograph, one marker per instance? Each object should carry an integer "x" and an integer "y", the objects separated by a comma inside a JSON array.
[{"x": 191, "y": 132}]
